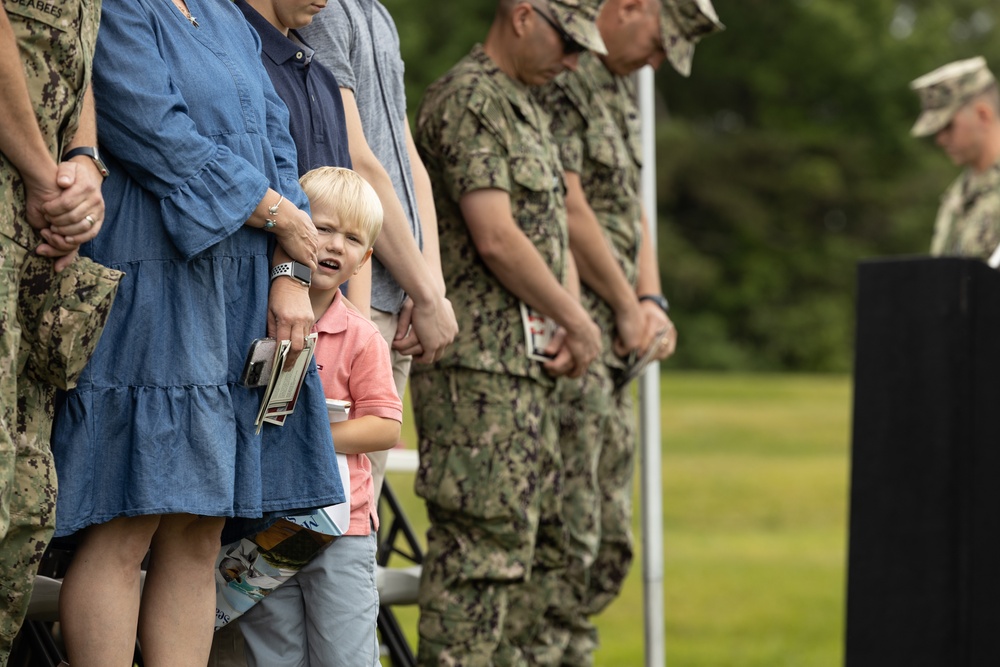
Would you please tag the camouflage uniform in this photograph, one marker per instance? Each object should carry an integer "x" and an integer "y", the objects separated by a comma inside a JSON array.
[
  {"x": 489, "y": 461},
  {"x": 596, "y": 122},
  {"x": 56, "y": 43},
  {"x": 968, "y": 222}
]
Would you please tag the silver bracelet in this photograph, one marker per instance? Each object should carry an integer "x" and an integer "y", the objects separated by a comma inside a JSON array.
[{"x": 273, "y": 211}]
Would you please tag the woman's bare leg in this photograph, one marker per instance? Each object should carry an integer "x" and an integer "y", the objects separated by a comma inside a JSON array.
[
  {"x": 99, "y": 600},
  {"x": 178, "y": 601}
]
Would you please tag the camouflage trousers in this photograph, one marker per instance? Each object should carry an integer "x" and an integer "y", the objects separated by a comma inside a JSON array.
[
  {"x": 28, "y": 482},
  {"x": 490, "y": 473},
  {"x": 613, "y": 558},
  {"x": 597, "y": 445}
]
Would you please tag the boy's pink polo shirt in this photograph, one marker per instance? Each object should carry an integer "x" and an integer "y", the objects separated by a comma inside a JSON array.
[{"x": 353, "y": 363}]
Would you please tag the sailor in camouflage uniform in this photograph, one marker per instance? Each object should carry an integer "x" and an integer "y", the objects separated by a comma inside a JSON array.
[
  {"x": 47, "y": 210},
  {"x": 596, "y": 123},
  {"x": 485, "y": 413},
  {"x": 961, "y": 109}
]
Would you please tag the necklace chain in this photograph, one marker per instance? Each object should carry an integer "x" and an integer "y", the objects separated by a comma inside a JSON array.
[{"x": 181, "y": 5}]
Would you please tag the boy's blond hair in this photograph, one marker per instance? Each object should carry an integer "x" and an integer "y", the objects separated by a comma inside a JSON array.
[{"x": 346, "y": 194}]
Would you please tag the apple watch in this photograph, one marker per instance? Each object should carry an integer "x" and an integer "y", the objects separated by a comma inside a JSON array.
[
  {"x": 658, "y": 299},
  {"x": 299, "y": 272},
  {"x": 91, "y": 152}
]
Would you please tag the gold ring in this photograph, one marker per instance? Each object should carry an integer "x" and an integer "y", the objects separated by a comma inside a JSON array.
[{"x": 90, "y": 220}]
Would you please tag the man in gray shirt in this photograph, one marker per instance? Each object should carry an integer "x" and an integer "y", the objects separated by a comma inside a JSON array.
[{"x": 358, "y": 42}]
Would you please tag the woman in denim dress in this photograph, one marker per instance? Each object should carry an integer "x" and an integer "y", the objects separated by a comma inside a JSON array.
[{"x": 157, "y": 443}]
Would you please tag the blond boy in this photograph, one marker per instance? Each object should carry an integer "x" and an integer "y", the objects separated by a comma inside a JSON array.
[{"x": 326, "y": 614}]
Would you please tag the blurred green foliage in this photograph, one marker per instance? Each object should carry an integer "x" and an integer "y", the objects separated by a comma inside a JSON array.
[{"x": 781, "y": 162}]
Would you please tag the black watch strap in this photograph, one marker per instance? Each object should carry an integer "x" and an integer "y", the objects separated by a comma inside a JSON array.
[
  {"x": 92, "y": 153},
  {"x": 658, "y": 299}
]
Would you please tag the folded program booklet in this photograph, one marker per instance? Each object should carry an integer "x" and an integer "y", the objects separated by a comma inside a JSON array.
[
  {"x": 538, "y": 333},
  {"x": 637, "y": 364},
  {"x": 283, "y": 388}
]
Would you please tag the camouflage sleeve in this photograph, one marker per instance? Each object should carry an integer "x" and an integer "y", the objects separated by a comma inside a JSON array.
[
  {"x": 968, "y": 222},
  {"x": 567, "y": 123},
  {"x": 951, "y": 204},
  {"x": 474, "y": 148}
]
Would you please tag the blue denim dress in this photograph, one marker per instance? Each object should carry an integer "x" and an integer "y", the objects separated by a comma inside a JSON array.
[{"x": 193, "y": 134}]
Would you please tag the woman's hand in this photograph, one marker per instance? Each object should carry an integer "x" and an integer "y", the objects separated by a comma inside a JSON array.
[
  {"x": 289, "y": 314},
  {"x": 294, "y": 229},
  {"x": 297, "y": 235}
]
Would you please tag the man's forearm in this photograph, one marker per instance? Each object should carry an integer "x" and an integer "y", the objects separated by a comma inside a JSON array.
[
  {"x": 21, "y": 140},
  {"x": 523, "y": 271},
  {"x": 359, "y": 290},
  {"x": 649, "y": 270},
  {"x": 572, "y": 276},
  {"x": 426, "y": 211},
  {"x": 395, "y": 248},
  {"x": 514, "y": 259},
  {"x": 398, "y": 251},
  {"x": 86, "y": 133},
  {"x": 597, "y": 266}
]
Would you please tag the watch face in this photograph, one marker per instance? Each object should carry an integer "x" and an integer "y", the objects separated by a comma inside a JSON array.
[
  {"x": 92, "y": 153},
  {"x": 302, "y": 273}
]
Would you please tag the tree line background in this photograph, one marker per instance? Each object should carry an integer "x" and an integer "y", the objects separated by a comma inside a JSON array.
[{"x": 781, "y": 162}]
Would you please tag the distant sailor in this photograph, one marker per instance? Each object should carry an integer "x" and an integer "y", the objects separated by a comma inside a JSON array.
[{"x": 961, "y": 109}]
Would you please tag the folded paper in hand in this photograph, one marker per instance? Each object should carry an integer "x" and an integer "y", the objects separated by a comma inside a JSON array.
[
  {"x": 283, "y": 388},
  {"x": 538, "y": 333},
  {"x": 637, "y": 364}
]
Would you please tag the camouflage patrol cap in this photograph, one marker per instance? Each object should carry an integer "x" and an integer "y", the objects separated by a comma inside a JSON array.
[
  {"x": 946, "y": 90},
  {"x": 577, "y": 18},
  {"x": 682, "y": 25}
]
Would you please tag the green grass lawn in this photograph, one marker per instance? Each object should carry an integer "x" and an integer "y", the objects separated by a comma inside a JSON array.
[{"x": 755, "y": 471}]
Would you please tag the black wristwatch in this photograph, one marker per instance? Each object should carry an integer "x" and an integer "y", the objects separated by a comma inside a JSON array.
[
  {"x": 299, "y": 272},
  {"x": 91, "y": 152},
  {"x": 658, "y": 299}
]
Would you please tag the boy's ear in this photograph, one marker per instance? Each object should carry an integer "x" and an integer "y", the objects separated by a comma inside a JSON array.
[{"x": 363, "y": 260}]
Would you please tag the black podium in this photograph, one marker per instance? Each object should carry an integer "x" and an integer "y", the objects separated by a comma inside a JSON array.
[{"x": 924, "y": 548}]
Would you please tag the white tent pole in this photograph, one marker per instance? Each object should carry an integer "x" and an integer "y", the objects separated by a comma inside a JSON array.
[{"x": 649, "y": 412}]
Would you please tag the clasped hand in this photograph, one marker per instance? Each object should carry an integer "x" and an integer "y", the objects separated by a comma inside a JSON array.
[{"x": 67, "y": 211}]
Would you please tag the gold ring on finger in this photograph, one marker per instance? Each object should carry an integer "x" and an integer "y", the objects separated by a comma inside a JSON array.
[{"x": 90, "y": 221}]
